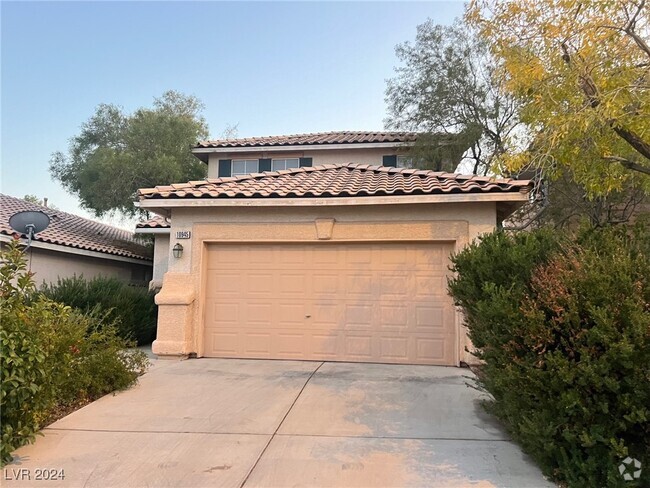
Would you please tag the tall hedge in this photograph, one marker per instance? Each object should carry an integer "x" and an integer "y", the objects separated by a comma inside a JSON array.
[
  {"x": 131, "y": 308},
  {"x": 563, "y": 327}
]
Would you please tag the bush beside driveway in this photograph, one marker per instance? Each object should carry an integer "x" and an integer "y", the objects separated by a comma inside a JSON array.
[{"x": 563, "y": 325}]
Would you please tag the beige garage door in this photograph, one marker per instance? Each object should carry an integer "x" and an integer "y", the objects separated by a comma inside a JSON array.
[{"x": 339, "y": 302}]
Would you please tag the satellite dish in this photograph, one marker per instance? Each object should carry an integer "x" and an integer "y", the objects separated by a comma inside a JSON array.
[{"x": 29, "y": 223}]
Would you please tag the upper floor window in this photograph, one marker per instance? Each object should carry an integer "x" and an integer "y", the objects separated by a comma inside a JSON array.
[
  {"x": 404, "y": 162},
  {"x": 278, "y": 164},
  {"x": 244, "y": 166}
]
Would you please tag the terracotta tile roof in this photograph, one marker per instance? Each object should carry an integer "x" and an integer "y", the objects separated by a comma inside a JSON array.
[
  {"x": 156, "y": 222},
  {"x": 319, "y": 138},
  {"x": 72, "y": 231},
  {"x": 332, "y": 180}
]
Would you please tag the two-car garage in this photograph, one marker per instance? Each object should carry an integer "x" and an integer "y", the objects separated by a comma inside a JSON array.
[{"x": 378, "y": 302}]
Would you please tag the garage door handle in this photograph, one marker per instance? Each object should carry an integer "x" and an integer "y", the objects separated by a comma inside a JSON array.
[{"x": 308, "y": 316}]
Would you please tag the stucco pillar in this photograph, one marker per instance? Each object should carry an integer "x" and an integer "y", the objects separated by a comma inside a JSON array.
[{"x": 176, "y": 301}]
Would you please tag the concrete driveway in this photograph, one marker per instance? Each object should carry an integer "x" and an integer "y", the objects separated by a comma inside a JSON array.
[{"x": 252, "y": 423}]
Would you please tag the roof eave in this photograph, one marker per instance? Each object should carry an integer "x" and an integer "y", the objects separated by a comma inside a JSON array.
[
  {"x": 159, "y": 205},
  {"x": 146, "y": 261},
  {"x": 152, "y": 230}
]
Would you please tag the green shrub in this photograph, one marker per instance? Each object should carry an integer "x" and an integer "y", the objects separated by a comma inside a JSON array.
[
  {"x": 493, "y": 275},
  {"x": 566, "y": 346},
  {"x": 52, "y": 355},
  {"x": 25, "y": 390},
  {"x": 130, "y": 308}
]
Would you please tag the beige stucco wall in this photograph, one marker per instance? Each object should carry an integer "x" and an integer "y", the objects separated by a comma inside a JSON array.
[
  {"x": 329, "y": 156},
  {"x": 161, "y": 258},
  {"x": 48, "y": 266},
  {"x": 180, "y": 317}
]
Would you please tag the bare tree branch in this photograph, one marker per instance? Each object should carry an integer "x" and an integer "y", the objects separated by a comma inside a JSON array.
[{"x": 629, "y": 164}]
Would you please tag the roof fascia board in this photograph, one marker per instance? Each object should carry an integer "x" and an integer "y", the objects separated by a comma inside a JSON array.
[
  {"x": 161, "y": 203},
  {"x": 81, "y": 252},
  {"x": 301, "y": 147},
  {"x": 152, "y": 230}
]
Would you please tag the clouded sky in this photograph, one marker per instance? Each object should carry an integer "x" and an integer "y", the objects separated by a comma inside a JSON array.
[{"x": 271, "y": 67}]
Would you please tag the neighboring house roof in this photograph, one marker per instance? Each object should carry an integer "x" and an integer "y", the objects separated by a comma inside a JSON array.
[
  {"x": 155, "y": 225},
  {"x": 336, "y": 180},
  {"x": 76, "y": 232},
  {"x": 156, "y": 222},
  {"x": 318, "y": 138}
]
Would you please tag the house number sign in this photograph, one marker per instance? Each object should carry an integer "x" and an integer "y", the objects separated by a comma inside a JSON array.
[{"x": 183, "y": 234}]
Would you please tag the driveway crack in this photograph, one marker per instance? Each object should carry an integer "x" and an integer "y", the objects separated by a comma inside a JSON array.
[{"x": 280, "y": 425}]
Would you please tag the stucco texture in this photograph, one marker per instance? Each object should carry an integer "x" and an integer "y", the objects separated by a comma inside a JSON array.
[
  {"x": 180, "y": 325},
  {"x": 48, "y": 266}
]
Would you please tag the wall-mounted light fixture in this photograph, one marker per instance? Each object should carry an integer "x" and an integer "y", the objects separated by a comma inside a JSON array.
[{"x": 177, "y": 250}]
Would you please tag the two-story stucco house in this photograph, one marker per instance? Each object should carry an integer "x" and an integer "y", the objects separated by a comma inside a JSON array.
[
  {"x": 317, "y": 247},
  {"x": 236, "y": 157}
]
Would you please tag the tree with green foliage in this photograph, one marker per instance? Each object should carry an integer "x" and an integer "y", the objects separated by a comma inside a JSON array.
[
  {"x": 448, "y": 88},
  {"x": 116, "y": 153},
  {"x": 581, "y": 70}
]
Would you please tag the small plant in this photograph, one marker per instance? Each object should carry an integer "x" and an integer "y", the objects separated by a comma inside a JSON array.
[
  {"x": 53, "y": 356},
  {"x": 130, "y": 308}
]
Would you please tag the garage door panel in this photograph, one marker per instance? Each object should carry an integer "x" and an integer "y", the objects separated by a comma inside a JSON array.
[
  {"x": 360, "y": 286},
  {"x": 224, "y": 343},
  {"x": 392, "y": 316},
  {"x": 430, "y": 316},
  {"x": 223, "y": 283},
  {"x": 392, "y": 257},
  {"x": 430, "y": 350},
  {"x": 256, "y": 343},
  {"x": 427, "y": 285},
  {"x": 226, "y": 315},
  {"x": 358, "y": 317},
  {"x": 290, "y": 344},
  {"x": 358, "y": 347},
  {"x": 289, "y": 314},
  {"x": 394, "y": 348},
  {"x": 393, "y": 285},
  {"x": 324, "y": 315},
  {"x": 356, "y": 257},
  {"x": 257, "y": 314},
  {"x": 290, "y": 283},
  {"x": 342, "y": 302},
  {"x": 325, "y": 346},
  {"x": 326, "y": 284}
]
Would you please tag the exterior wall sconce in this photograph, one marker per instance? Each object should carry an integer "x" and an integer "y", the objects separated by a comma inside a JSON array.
[{"x": 177, "y": 250}]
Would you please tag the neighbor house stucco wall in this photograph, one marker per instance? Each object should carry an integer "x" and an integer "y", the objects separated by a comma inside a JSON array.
[
  {"x": 180, "y": 317},
  {"x": 161, "y": 256},
  {"x": 373, "y": 156},
  {"x": 48, "y": 266}
]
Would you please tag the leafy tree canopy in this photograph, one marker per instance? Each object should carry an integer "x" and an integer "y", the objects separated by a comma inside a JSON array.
[
  {"x": 448, "y": 88},
  {"x": 117, "y": 153},
  {"x": 581, "y": 69}
]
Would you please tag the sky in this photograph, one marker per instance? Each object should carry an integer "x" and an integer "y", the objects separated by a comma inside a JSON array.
[{"x": 270, "y": 67}]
